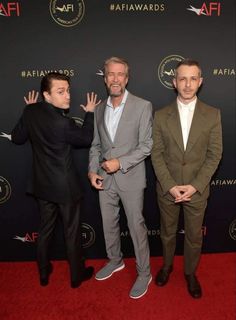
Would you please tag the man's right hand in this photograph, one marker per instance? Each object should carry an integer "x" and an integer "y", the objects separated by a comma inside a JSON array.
[
  {"x": 176, "y": 194},
  {"x": 96, "y": 180},
  {"x": 182, "y": 193},
  {"x": 32, "y": 97}
]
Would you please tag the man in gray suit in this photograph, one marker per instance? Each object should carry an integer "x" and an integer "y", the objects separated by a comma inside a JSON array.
[
  {"x": 186, "y": 151},
  {"x": 122, "y": 140}
]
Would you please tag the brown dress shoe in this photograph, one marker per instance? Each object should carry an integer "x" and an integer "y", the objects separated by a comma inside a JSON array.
[
  {"x": 163, "y": 276},
  {"x": 193, "y": 285}
]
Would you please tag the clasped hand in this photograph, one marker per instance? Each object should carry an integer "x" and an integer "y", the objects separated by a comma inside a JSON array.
[{"x": 182, "y": 193}]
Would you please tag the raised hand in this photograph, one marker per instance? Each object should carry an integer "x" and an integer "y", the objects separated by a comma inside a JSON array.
[
  {"x": 32, "y": 97},
  {"x": 91, "y": 102}
]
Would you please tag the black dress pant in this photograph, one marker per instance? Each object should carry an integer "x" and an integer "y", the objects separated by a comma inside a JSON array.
[{"x": 70, "y": 214}]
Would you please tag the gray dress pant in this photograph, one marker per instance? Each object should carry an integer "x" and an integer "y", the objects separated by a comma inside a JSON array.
[{"x": 133, "y": 206}]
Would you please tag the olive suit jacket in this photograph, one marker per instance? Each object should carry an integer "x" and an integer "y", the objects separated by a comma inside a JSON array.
[{"x": 175, "y": 166}]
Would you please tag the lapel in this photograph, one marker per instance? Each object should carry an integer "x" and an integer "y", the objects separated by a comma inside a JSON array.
[
  {"x": 198, "y": 122},
  {"x": 127, "y": 114},
  {"x": 101, "y": 118},
  {"x": 174, "y": 126}
]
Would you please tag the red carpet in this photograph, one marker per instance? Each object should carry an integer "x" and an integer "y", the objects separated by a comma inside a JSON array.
[{"x": 21, "y": 297}]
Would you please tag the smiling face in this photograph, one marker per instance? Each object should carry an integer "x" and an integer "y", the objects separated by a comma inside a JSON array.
[
  {"x": 187, "y": 82},
  {"x": 116, "y": 79},
  {"x": 59, "y": 94}
]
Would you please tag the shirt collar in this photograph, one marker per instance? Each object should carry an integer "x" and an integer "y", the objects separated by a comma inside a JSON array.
[
  {"x": 190, "y": 106},
  {"x": 58, "y": 110},
  {"x": 109, "y": 104}
]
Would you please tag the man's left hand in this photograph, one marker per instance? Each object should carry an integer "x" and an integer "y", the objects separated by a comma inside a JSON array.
[
  {"x": 186, "y": 193},
  {"x": 111, "y": 166},
  {"x": 91, "y": 102}
]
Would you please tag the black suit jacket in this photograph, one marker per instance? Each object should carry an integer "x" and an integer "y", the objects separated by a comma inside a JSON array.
[{"x": 52, "y": 136}]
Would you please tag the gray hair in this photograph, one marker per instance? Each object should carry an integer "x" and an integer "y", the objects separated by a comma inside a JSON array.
[{"x": 116, "y": 60}]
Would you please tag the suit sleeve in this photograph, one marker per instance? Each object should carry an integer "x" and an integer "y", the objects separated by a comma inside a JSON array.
[
  {"x": 95, "y": 150},
  {"x": 19, "y": 134},
  {"x": 80, "y": 136},
  {"x": 157, "y": 155},
  {"x": 213, "y": 156},
  {"x": 144, "y": 146}
]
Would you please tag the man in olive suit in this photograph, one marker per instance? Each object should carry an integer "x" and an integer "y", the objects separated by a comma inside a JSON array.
[{"x": 187, "y": 148}]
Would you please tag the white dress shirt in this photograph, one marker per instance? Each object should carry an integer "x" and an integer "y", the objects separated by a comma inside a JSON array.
[
  {"x": 113, "y": 114},
  {"x": 186, "y": 112}
]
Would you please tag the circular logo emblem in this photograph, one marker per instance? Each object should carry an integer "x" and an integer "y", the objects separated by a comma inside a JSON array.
[
  {"x": 166, "y": 70},
  {"x": 67, "y": 13},
  {"x": 88, "y": 235},
  {"x": 5, "y": 190},
  {"x": 232, "y": 230}
]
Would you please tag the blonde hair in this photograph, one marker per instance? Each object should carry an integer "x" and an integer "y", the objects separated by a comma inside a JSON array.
[{"x": 116, "y": 60}]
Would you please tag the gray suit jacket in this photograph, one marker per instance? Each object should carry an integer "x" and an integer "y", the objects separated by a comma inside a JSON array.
[
  {"x": 132, "y": 144},
  {"x": 175, "y": 166}
]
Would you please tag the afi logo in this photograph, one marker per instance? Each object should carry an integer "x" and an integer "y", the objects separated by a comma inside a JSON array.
[
  {"x": 10, "y": 9},
  {"x": 207, "y": 9},
  {"x": 28, "y": 237},
  {"x": 66, "y": 8},
  {"x": 169, "y": 73}
]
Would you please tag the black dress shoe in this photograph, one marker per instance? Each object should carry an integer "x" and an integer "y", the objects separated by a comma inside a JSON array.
[
  {"x": 163, "y": 276},
  {"x": 75, "y": 283},
  {"x": 86, "y": 275},
  {"x": 44, "y": 275},
  {"x": 194, "y": 287}
]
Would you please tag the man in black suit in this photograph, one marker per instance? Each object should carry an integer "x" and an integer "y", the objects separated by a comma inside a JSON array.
[{"x": 54, "y": 181}]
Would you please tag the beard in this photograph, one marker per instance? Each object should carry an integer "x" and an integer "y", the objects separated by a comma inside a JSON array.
[{"x": 114, "y": 93}]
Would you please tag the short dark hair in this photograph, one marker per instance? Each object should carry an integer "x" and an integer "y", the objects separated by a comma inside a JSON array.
[
  {"x": 46, "y": 82},
  {"x": 188, "y": 62}
]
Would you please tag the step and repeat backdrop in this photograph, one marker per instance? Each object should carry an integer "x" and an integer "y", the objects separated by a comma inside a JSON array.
[{"x": 75, "y": 37}]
